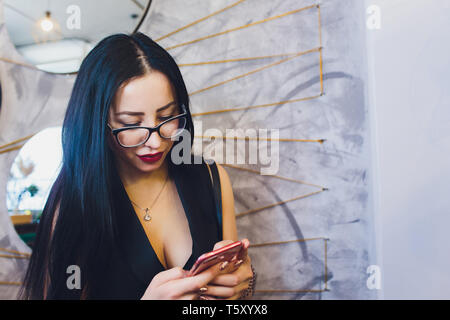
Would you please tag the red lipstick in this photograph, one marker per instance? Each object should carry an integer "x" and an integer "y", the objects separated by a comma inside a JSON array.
[{"x": 151, "y": 158}]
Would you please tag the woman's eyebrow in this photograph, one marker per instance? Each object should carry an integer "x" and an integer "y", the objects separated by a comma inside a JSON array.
[
  {"x": 130, "y": 113},
  {"x": 166, "y": 106},
  {"x": 142, "y": 113}
]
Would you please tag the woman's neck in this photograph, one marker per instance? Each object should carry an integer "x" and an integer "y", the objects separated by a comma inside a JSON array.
[{"x": 135, "y": 179}]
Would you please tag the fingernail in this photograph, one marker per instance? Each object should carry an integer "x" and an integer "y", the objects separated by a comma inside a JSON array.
[
  {"x": 203, "y": 289},
  {"x": 223, "y": 265},
  {"x": 202, "y": 297},
  {"x": 238, "y": 263}
]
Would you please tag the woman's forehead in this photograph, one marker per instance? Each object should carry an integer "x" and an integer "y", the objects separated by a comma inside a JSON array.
[{"x": 145, "y": 94}]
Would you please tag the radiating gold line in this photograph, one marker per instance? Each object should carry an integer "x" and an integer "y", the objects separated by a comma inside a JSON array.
[
  {"x": 290, "y": 291},
  {"x": 200, "y": 20},
  {"x": 15, "y": 251},
  {"x": 13, "y": 256},
  {"x": 255, "y": 71},
  {"x": 273, "y": 176},
  {"x": 320, "y": 52},
  {"x": 2, "y": 147},
  {"x": 241, "y": 27},
  {"x": 277, "y": 203},
  {"x": 236, "y": 60},
  {"x": 326, "y": 279},
  {"x": 320, "y": 25},
  {"x": 18, "y": 63},
  {"x": 287, "y": 241},
  {"x": 291, "y": 241},
  {"x": 258, "y": 139},
  {"x": 10, "y": 283},
  {"x": 253, "y": 107},
  {"x": 17, "y": 141},
  {"x": 11, "y": 149},
  {"x": 140, "y": 6}
]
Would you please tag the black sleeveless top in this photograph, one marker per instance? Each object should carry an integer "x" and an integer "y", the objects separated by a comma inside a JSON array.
[{"x": 133, "y": 262}]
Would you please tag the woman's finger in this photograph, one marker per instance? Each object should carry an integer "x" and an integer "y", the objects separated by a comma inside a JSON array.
[
  {"x": 168, "y": 275},
  {"x": 228, "y": 280},
  {"x": 222, "y": 243},
  {"x": 194, "y": 283},
  {"x": 233, "y": 277},
  {"x": 235, "y": 297},
  {"x": 234, "y": 264},
  {"x": 207, "y": 297},
  {"x": 221, "y": 292},
  {"x": 243, "y": 253},
  {"x": 189, "y": 296},
  {"x": 241, "y": 288}
]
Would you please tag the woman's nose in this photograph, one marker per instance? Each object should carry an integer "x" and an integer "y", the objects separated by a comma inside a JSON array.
[{"x": 154, "y": 141}]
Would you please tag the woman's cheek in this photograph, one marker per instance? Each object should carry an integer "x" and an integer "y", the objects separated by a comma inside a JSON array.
[{"x": 168, "y": 147}]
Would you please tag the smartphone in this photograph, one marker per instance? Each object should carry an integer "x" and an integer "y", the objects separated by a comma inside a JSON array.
[{"x": 209, "y": 259}]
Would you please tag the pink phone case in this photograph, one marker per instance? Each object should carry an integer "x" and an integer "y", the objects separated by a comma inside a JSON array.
[{"x": 209, "y": 259}]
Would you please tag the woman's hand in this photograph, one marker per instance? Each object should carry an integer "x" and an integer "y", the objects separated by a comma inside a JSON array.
[
  {"x": 174, "y": 284},
  {"x": 235, "y": 277}
]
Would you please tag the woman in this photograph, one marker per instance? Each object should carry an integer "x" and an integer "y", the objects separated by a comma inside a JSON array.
[{"x": 121, "y": 210}]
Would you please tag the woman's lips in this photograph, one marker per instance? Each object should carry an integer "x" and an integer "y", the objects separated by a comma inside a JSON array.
[{"x": 150, "y": 158}]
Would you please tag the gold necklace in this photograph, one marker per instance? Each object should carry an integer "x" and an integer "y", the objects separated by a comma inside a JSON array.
[{"x": 147, "y": 216}]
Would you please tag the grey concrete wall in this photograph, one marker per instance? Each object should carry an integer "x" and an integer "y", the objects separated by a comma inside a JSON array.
[{"x": 34, "y": 100}]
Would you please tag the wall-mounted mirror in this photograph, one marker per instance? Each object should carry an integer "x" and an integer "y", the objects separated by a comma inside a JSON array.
[
  {"x": 55, "y": 35},
  {"x": 30, "y": 179}
]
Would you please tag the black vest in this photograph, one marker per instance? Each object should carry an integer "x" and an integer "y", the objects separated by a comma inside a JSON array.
[{"x": 133, "y": 262}]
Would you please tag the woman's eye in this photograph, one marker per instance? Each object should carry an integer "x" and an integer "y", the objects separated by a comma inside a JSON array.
[
  {"x": 165, "y": 118},
  {"x": 131, "y": 125}
]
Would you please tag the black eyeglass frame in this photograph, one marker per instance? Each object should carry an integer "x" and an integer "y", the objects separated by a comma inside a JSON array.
[{"x": 115, "y": 132}]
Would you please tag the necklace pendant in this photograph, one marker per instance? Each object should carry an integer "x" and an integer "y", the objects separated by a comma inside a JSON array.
[{"x": 147, "y": 216}]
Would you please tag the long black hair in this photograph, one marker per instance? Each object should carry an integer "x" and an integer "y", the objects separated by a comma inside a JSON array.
[{"x": 86, "y": 226}]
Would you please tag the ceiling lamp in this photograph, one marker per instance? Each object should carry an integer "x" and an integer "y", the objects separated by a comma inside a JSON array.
[
  {"x": 47, "y": 23},
  {"x": 46, "y": 29}
]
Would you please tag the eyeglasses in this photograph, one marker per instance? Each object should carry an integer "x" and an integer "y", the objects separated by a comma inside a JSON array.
[{"x": 133, "y": 136}]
